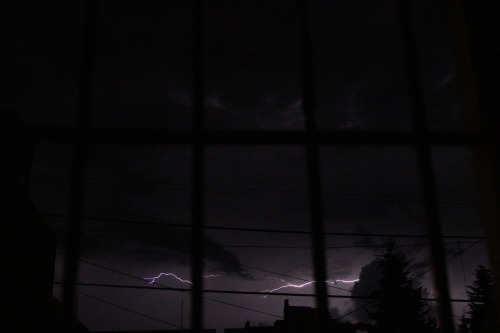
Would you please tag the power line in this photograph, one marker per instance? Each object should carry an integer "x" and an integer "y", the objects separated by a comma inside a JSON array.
[
  {"x": 283, "y": 231},
  {"x": 333, "y": 247},
  {"x": 451, "y": 257},
  {"x": 153, "y": 242},
  {"x": 260, "y": 191},
  {"x": 285, "y": 275},
  {"x": 214, "y": 291},
  {"x": 462, "y": 269},
  {"x": 276, "y": 273},
  {"x": 281, "y": 274},
  {"x": 255, "y": 268},
  {"x": 127, "y": 309},
  {"x": 251, "y": 267},
  {"x": 164, "y": 287},
  {"x": 219, "y": 291},
  {"x": 292, "y": 277},
  {"x": 237, "y": 292},
  {"x": 173, "y": 289},
  {"x": 185, "y": 290}
]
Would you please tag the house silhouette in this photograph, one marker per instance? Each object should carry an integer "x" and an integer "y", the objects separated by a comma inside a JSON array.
[{"x": 300, "y": 319}]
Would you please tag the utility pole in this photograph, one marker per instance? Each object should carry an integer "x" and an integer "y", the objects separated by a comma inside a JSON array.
[{"x": 182, "y": 312}]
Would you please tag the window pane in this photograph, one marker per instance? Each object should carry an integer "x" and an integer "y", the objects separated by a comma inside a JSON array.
[
  {"x": 437, "y": 65},
  {"x": 136, "y": 232},
  {"x": 458, "y": 197},
  {"x": 371, "y": 197},
  {"x": 143, "y": 64},
  {"x": 360, "y": 75},
  {"x": 252, "y": 65},
  {"x": 41, "y": 77},
  {"x": 257, "y": 188}
]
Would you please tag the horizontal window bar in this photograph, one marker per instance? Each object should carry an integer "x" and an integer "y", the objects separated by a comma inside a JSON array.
[{"x": 234, "y": 137}]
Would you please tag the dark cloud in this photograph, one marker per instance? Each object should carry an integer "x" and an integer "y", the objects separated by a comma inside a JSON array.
[
  {"x": 340, "y": 268},
  {"x": 155, "y": 245},
  {"x": 366, "y": 241},
  {"x": 221, "y": 260},
  {"x": 144, "y": 61},
  {"x": 419, "y": 267},
  {"x": 335, "y": 312},
  {"x": 367, "y": 284}
]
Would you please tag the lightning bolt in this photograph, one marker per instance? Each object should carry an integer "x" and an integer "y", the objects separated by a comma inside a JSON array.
[
  {"x": 290, "y": 285},
  {"x": 209, "y": 276},
  {"x": 344, "y": 281},
  {"x": 153, "y": 279},
  {"x": 285, "y": 285}
]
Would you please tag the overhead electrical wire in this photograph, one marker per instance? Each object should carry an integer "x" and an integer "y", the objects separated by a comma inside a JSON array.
[
  {"x": 283, "y": 231},
  {"x": 245, "y": 292},
  {"x": 281, "y": 274},
  {"x": 94, "y": 233},
  {"x": 260, "y": 191},
  {"x": 127, "y": 309},
  {"x": 165, "y": 287}
]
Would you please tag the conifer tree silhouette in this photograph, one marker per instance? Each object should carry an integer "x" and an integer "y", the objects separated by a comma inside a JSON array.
[
  {"x": 400, "y": 308},
  {"x": 479, "y": 297}
]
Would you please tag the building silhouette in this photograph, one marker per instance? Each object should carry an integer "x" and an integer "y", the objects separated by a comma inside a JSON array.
[
  {"x": 205, "y": 330},
  {"x": 300, "y": 319},
  {"x": 28, "y": 250}
]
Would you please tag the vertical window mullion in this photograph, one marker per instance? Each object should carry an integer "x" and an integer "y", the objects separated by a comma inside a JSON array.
[
  {"x": 313, "y": 166},
  {"x": 72, "y": 245},
  {"x": 198, "y": 149},
  {"x": 425, "y": 168}
]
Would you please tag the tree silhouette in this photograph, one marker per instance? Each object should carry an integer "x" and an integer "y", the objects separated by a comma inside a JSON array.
[
  {"x": 479, "y": 297},
  {"x": 400, "y": 307},
  {"x": 463, "y": 327}
]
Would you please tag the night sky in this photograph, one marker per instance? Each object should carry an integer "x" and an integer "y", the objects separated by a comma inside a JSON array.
[{"x": 143, "y": 79}]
